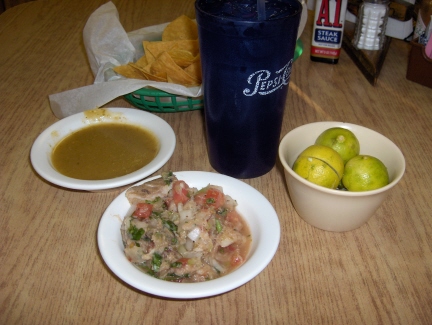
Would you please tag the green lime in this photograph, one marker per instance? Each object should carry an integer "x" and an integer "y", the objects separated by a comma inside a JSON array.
[
  {"x": 365, "y": 173},
  {"x": 320, "y": 165},
  {"x": 341, "y": 140}
]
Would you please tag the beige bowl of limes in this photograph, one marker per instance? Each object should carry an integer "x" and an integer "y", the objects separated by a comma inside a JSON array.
[{"x": 333, "y": 209}]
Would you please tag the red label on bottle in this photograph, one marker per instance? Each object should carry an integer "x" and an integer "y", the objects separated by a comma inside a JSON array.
[{"x": 325, "y": 52}]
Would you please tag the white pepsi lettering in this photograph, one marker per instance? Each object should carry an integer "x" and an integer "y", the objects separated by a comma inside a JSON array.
[{"x": 263, "y": 82}]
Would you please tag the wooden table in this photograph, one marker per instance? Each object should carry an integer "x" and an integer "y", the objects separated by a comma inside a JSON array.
[{"x": 51, "y": 271}]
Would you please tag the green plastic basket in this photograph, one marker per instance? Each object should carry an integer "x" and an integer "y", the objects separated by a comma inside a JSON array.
[{"x": 158, "y": 101}]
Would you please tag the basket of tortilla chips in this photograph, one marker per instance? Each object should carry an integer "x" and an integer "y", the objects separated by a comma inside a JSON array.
[{"x": 174, "y": 59}]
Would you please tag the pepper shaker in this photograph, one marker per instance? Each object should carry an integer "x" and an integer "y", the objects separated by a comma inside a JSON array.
[{"x": 371, "y": 25}]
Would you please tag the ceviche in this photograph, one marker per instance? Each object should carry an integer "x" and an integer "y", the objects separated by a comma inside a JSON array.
[{"x": 180, "y": 233}]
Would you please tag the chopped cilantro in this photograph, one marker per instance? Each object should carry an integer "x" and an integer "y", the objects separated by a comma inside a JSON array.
[
  {"x": 175, "y": 277},
  {"x": 210, "y": 200},
  {"x": 156, "y": 262},
  {"x": 170, "y": 225},
  {"x": 218, "y": 226},
  {"x": 135, "y": 232},
  {"x": 168, "y": 177},
  {"x": 176, "y": 264}
]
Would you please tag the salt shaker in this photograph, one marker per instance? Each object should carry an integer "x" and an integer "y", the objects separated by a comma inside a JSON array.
[{"x": 371, "y": 25}]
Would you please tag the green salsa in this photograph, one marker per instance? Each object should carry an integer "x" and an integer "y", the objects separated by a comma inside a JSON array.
[{"x": 104, "y": 150}]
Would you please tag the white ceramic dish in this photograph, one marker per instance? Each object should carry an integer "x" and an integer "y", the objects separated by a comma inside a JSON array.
[
  {"x": 252, "y": 205},
  {"x": 40, "y": 154},
  {"x": 330, "y": 209}
]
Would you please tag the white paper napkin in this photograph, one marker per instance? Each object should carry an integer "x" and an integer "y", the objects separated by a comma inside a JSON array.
[{"x": 108, "y": 45}]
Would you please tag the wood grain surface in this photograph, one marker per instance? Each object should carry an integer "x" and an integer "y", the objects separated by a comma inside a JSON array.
[{"x": 51, "y": 271}]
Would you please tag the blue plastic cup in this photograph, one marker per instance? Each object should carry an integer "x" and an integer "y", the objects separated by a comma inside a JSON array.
[{"x": 246, "y": 66}]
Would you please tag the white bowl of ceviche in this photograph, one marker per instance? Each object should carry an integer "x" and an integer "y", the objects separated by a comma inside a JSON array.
[{"x": 196, "y": 258}]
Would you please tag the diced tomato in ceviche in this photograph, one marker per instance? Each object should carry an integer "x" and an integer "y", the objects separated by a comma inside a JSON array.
[
  {"x": 183, "y": 234},
  {"x": 180, "y": 191},
  {"x": 143, "y": 210}
]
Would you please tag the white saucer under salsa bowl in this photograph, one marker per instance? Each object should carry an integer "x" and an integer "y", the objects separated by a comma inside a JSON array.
[{"x": 43, "y": 146}]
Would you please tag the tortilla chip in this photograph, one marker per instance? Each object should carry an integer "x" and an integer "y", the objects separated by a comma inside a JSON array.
[
  {"x": 142, "y": 61},
  {"x": 153, "y": 49},
  {"x": 194, "y": 70},
  {"x": 188, "y": 45},
  {"x": 129, "y": 71},
  {"x": 175, "y": 74},
  {"x": 182, "y": 58},
  {"x": 156, "y": 78},
  {"x": 155, "y": 75},
  {"x": 182, "y": 28}
]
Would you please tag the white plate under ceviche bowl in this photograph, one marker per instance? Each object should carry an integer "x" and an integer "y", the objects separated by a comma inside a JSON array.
[
  {"x": 41, "y": 150},
  {"x": 255, "y": 209}
]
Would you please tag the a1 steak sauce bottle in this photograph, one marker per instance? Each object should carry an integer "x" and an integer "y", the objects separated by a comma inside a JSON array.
[{"x": 328, "y": 30}]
